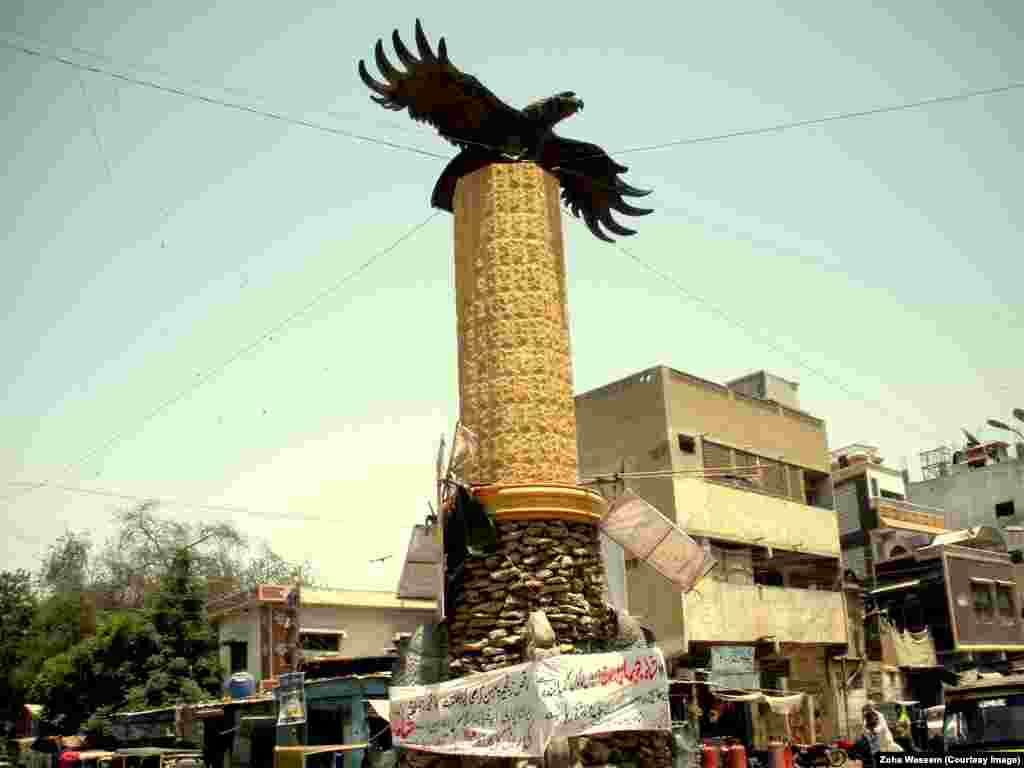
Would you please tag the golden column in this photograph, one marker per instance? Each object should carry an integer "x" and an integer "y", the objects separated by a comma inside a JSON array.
[
  {"x": 515, "y": 368},
  {"x": 516, "y": 395}
]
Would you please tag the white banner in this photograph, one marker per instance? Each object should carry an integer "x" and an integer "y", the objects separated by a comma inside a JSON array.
[{"x": 513, "y": 712}]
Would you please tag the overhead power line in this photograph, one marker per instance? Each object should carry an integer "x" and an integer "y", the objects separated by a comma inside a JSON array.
[
  {"x": 236, "y": 105},
  {"x": 204, "y": 376},
  {"x": 779, "y": 127},
  {"x": 765, "y": 340},
  {"x": 278, "y": 115},
  {"x": 175, "y": 502},
  {"x": 233, "y": 90}
]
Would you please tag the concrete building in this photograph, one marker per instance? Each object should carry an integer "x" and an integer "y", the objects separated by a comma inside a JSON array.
[
  {"x": 976, "y": 485},
  {"x": 746, "y": 472},
  {"x": 876, "y": 522},
  {"x": 961, "y": 595},
  {"x": 251, "y": 625}
]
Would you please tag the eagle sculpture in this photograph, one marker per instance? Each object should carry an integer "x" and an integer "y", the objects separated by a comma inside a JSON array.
[{"x": 487, "y": 130}]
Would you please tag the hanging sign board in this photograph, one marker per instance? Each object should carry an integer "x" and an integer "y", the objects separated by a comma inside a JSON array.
[{"x": 291, "y": 698}]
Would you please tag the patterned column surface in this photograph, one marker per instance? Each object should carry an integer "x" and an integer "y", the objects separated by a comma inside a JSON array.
[{"x": 515, "y": 368}]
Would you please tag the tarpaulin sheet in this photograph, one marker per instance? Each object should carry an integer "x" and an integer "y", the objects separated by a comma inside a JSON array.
[
  {"x": 515, "y": 711},
  {"x": 650, "y": 536}
]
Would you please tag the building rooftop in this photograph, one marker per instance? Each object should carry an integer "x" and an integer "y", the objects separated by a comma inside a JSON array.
[
  {"x": 352, "y": 598},
  {"x": 648, "y": 375}
]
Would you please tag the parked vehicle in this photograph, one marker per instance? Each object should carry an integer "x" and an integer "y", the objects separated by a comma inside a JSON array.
[
  {"x": 986, "y": 715},
  {"x": 818, "y": 756}
]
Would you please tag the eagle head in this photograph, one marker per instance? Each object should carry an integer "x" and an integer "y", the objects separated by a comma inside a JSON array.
[{"x": 555, "y": 108}]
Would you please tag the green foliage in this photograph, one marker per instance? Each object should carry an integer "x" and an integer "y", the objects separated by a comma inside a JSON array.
[
  {"x": 66, "y": 564},
  {"x": 17, "y": 608},
  {"x": 147, "y": 652},
  {"x": 96, "y": 673},
  {"x": 163, "y": 655}
]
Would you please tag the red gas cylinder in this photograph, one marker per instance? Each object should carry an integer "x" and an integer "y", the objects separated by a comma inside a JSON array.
[
  {"x": 711, "y": 756},
  {"x": 788, "y": 756},
  {"x": 778, "y": 754},
  {"x": 737, "y": 757}
]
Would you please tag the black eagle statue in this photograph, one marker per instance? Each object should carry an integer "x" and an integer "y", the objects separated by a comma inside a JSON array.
[{"x": 487, "y": 130}]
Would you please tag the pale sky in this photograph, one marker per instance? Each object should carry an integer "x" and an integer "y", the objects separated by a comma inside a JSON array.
[{"x": 145, "y": 238}]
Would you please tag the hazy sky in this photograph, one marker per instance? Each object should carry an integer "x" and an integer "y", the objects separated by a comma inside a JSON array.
[{"x": 145, "y": 238}]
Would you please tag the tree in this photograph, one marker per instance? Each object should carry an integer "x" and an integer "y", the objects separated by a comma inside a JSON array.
[
  {"x": 163, "y": 655},
  {"x": 96, "y": 674},
  {"x": 145, "y": 544},
  {"x": 56, "y": 623},
  {"x": 66, "y": 564},
  {"x": 186, "y": 668},
  {"x": 17, "y": 610}
]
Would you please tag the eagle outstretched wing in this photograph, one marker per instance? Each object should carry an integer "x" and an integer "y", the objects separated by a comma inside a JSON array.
[
  {"x": 591, "y": 186},
  {"x": 434, "y": 91}
]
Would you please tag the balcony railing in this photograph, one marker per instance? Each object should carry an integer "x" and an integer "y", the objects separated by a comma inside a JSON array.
[
  {"x": 718, "y": 611},
  {"x": 725, "y": 512}
]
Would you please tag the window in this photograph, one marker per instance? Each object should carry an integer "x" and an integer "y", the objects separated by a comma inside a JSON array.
[
  {"x": 1005, "y": 509},
  {"x": 239, "y": 656},
  {"x": 874, "y": 486},
  {"x": 1004, "y": 602},
  {"x": 318, "y": 643},
  {"x": 890, "y": 495},
  {"x": 687, "y": 444},
  {"x": 716, "y": 456},
  {"x": 982, "y": 594}
]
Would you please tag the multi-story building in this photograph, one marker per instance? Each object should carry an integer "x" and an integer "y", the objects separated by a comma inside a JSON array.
[
  {"x": 746, "y": 472},
  {"x": 876, "y": 522},
  {"x": 959, "y": 594},
  {"x": 978, "y": 484}
]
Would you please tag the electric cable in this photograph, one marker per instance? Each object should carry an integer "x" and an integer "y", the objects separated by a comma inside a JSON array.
[
  {"x": 770, "y": 343},
  {"x": 760, "y": 337},
  {"x": 775, "y": 128},
  {"x": 176, "y": 502},
  {"x": 779, "y": 127},
  {"x": 203, "y": 376},
  {"x": 218, "y": 102},
  {"x": 233, "y": 90}
]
